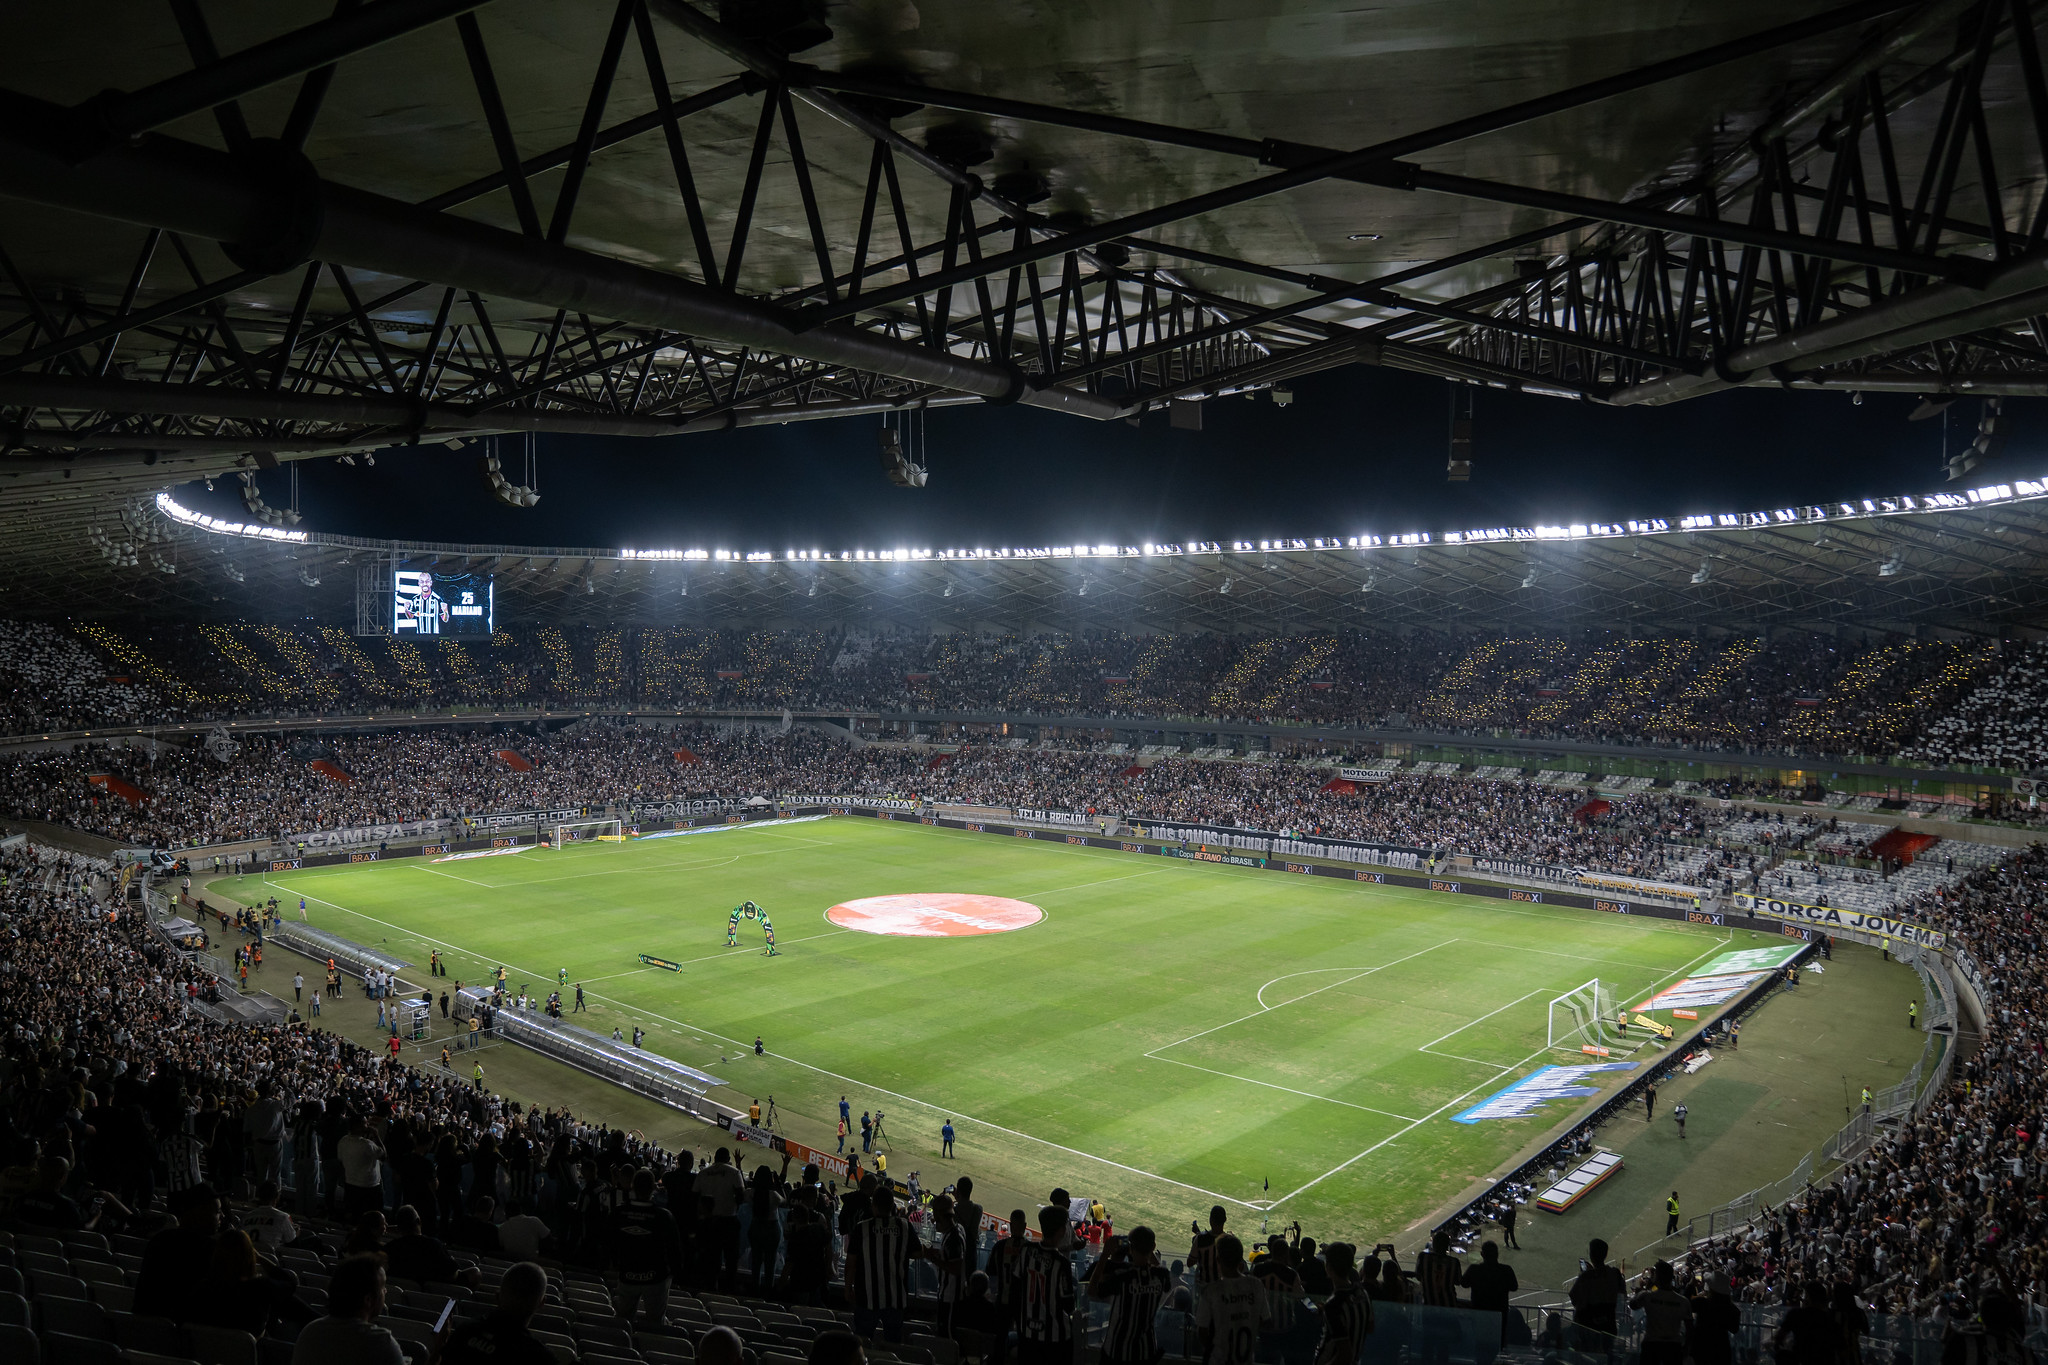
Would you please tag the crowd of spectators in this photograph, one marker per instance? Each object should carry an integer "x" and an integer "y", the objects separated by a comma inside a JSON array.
[
  {"x": 2002, "y": 723},
  {"x": 269, "y": 786},
  {"x": 51, "y": 680},
  {"x": 1791, "y": 693},
  {"x": 275, "y": 788},
  {"x": 118, "y": 1095},
  {"x": 1945, "y": 1215},
  {"x": 295, "y": 1185}
]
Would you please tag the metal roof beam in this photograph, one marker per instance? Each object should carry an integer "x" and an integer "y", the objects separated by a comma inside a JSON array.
[
  {"x": 187, "y": 188},
  {"x": 1309, "y": 165},
  {"x": 112, "y": 117}
]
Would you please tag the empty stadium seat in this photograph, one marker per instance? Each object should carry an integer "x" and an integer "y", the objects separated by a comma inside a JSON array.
[
  {"x": 61, "y": 1348},
  {"x": 115, "y": 1298},
  {"x": 13, "y": 1310},
  {"x": 75, "y": 1316},
  {"x": 221, "y": 1345},
  {"x": 48, "y": 1284},
  {"x": 18, "y": 1345},
  {"x": 156, "y": 1336}
]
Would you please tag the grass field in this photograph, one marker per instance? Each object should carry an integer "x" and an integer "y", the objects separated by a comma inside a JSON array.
[{"x": 1170, "y": 1035}]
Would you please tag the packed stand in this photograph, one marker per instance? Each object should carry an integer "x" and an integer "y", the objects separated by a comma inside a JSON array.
[
  {"x": 50, "y": 680},
  {"x": 268, "y": 786},
  {"x": 2003, "y": 723},
  {"x": 277, "y": 788},
  {"x": 1944, "y": 1216},
  {"x": 1804, "y": 694}
]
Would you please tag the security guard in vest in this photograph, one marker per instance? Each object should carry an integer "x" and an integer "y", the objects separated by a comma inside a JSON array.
[
  {"x": 1912, "y": 1014},
  {"x": 1671, "y": 1214},
  {"x": 1866, "y": 1099}
]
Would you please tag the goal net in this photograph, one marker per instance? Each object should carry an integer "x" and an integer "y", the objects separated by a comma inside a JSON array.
[
  {"x": 1584, "y": 1017},
  {"x": 586, "y": 831}
]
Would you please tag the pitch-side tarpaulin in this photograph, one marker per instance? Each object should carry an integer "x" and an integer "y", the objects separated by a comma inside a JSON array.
[
  {"x": 127, "y": 791},
  {"x": 1902, "y": 845}
]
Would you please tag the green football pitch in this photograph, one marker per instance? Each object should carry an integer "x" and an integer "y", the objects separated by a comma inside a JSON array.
[{"x": 1171, "y": 1034}]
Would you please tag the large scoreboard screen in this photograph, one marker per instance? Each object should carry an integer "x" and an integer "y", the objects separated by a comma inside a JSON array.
[{"x": 426, "y": 601}]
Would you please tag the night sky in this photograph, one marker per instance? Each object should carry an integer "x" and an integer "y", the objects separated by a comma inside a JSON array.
[{"x": 1359, "y": 450}]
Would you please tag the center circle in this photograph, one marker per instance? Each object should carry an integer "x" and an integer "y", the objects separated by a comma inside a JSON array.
[{"x": 935, "y": 914}]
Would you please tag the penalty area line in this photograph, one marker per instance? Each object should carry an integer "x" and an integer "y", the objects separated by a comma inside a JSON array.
[
  {"x": 1392, "y": 1137},
  {"x": 1305, "y": 1094},
  {"x": 1268, "y": 1009},
  {"x": 1476, "y": 1022}
]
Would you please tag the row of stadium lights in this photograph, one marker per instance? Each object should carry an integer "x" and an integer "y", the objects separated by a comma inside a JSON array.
[{"x": 1721, "y": 521}]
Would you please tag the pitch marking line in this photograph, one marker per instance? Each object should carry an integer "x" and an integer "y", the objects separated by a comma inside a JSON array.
[
  {"x": 1477, "y": 1022},
  {"x": 437, "y": 872},
  {"x": 1307, "y": 1095},
  {"x": 1719, "y": 946},
  {"x": 1268, "y": 1009},
  {"x": 837, "y": 1076},
  {"x": 1264, "y": 1008},
  {"x": 712, "y": 957}
]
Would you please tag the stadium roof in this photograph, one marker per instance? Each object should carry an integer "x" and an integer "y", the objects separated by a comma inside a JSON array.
[
  {"x": 1975, "y": 561},
  {"x": 303, "y": 231}
]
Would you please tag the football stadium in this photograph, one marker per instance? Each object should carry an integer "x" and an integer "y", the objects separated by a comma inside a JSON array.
[{"x": 796, "y": 682}]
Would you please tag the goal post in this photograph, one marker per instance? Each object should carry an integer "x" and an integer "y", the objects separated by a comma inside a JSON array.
[
  {"x": 585, "y": 831},
  {"x": 1584, "y": 1017}
]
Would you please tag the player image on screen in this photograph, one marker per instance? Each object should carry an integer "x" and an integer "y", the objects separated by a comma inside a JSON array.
[
  {"x": 420, "y": 609},
  {"x": 424, "y": 603}
]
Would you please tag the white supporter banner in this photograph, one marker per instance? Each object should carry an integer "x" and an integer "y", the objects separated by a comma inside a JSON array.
[
  {"x": 1068, "y": 819},
  {"x": 359, "y": 835},
  {"x": 1834, "y": 920}
]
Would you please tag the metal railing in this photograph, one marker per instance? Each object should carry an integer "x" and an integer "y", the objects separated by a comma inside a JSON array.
[
  {"x": 1739, "y": 1210},
  {"x": 1853, "y": 1139}
]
